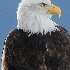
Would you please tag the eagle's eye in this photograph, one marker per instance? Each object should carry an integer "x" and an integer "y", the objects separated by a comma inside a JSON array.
[{"x": 42, "y": 4}]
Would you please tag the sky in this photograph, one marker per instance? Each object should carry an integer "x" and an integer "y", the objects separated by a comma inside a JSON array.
[{"x": 8, "y": 19}]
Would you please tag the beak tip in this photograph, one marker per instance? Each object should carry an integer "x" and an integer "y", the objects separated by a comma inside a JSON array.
[{"x": 59, "y": 16}]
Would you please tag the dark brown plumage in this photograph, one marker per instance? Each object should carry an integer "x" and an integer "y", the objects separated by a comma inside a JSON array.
[{"x": 37, "y": 51}]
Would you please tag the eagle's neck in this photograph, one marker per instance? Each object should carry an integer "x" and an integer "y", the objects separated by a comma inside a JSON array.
[{"x": 35, "y": 21}]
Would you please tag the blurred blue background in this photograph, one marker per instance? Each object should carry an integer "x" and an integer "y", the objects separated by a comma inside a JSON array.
[{"x": 8, "y": 19}]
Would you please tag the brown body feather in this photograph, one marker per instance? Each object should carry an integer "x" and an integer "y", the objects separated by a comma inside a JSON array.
[{"x": 37, "y": 51}]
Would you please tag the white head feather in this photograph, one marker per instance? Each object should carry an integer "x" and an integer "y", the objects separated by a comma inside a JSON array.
[{"x": 32, "y": 18}]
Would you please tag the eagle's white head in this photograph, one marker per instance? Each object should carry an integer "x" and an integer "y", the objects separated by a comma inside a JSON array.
[{"x": 35, "y": 16}]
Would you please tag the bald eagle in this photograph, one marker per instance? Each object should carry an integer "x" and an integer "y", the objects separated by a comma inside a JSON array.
[{"x": 38, "y": 43}]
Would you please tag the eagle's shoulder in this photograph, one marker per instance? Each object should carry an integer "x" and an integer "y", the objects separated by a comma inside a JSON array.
[{"x": 15, "y": 35}]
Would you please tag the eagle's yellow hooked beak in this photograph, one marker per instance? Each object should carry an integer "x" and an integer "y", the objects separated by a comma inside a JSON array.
[{"x": 52, "y": 9}]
